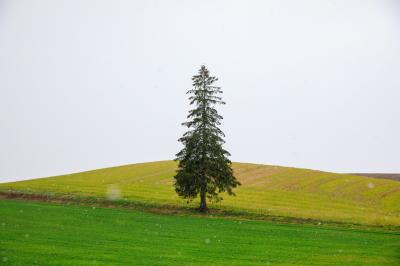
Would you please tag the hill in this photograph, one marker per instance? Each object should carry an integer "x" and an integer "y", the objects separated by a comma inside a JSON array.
[{"x": 265, "y": 191}]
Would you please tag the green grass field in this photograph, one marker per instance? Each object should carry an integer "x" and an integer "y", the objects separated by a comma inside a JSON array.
[
  {"x": 33, "y": 233},
  {"x": 266, "y": 190}
]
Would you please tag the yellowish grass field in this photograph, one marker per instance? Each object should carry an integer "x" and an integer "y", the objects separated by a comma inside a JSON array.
[{"x": 265, "y": 190}]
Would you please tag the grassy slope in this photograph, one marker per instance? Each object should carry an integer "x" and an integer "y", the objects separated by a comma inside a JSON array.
[
  {"x": 269, "y": 190},
  {"x": 44, "y": 234}
]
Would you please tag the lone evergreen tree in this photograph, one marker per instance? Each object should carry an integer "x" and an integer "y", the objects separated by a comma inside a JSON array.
[{"x": 204, "y": 167}]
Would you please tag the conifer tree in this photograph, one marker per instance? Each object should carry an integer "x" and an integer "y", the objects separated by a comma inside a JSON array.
[{"x": 204, "y": 168}]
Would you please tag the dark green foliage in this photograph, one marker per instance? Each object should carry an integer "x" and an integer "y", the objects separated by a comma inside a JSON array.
[{"x": 204, "y": 167}]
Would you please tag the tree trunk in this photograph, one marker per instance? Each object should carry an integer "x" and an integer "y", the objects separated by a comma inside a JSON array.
[{"x": 203, "y": 202}]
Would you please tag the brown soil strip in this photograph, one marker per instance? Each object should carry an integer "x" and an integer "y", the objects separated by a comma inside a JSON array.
[{"x": 379, "y": 175}]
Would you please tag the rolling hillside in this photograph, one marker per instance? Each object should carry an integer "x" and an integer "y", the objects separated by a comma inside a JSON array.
[{"x": 265, "y": 191}]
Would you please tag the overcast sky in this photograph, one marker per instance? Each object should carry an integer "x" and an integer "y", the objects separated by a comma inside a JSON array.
[{"x": 89, "y": 84}]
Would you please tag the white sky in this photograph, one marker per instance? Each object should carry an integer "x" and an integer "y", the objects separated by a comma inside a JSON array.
[{"x": 89, "y": 84}]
